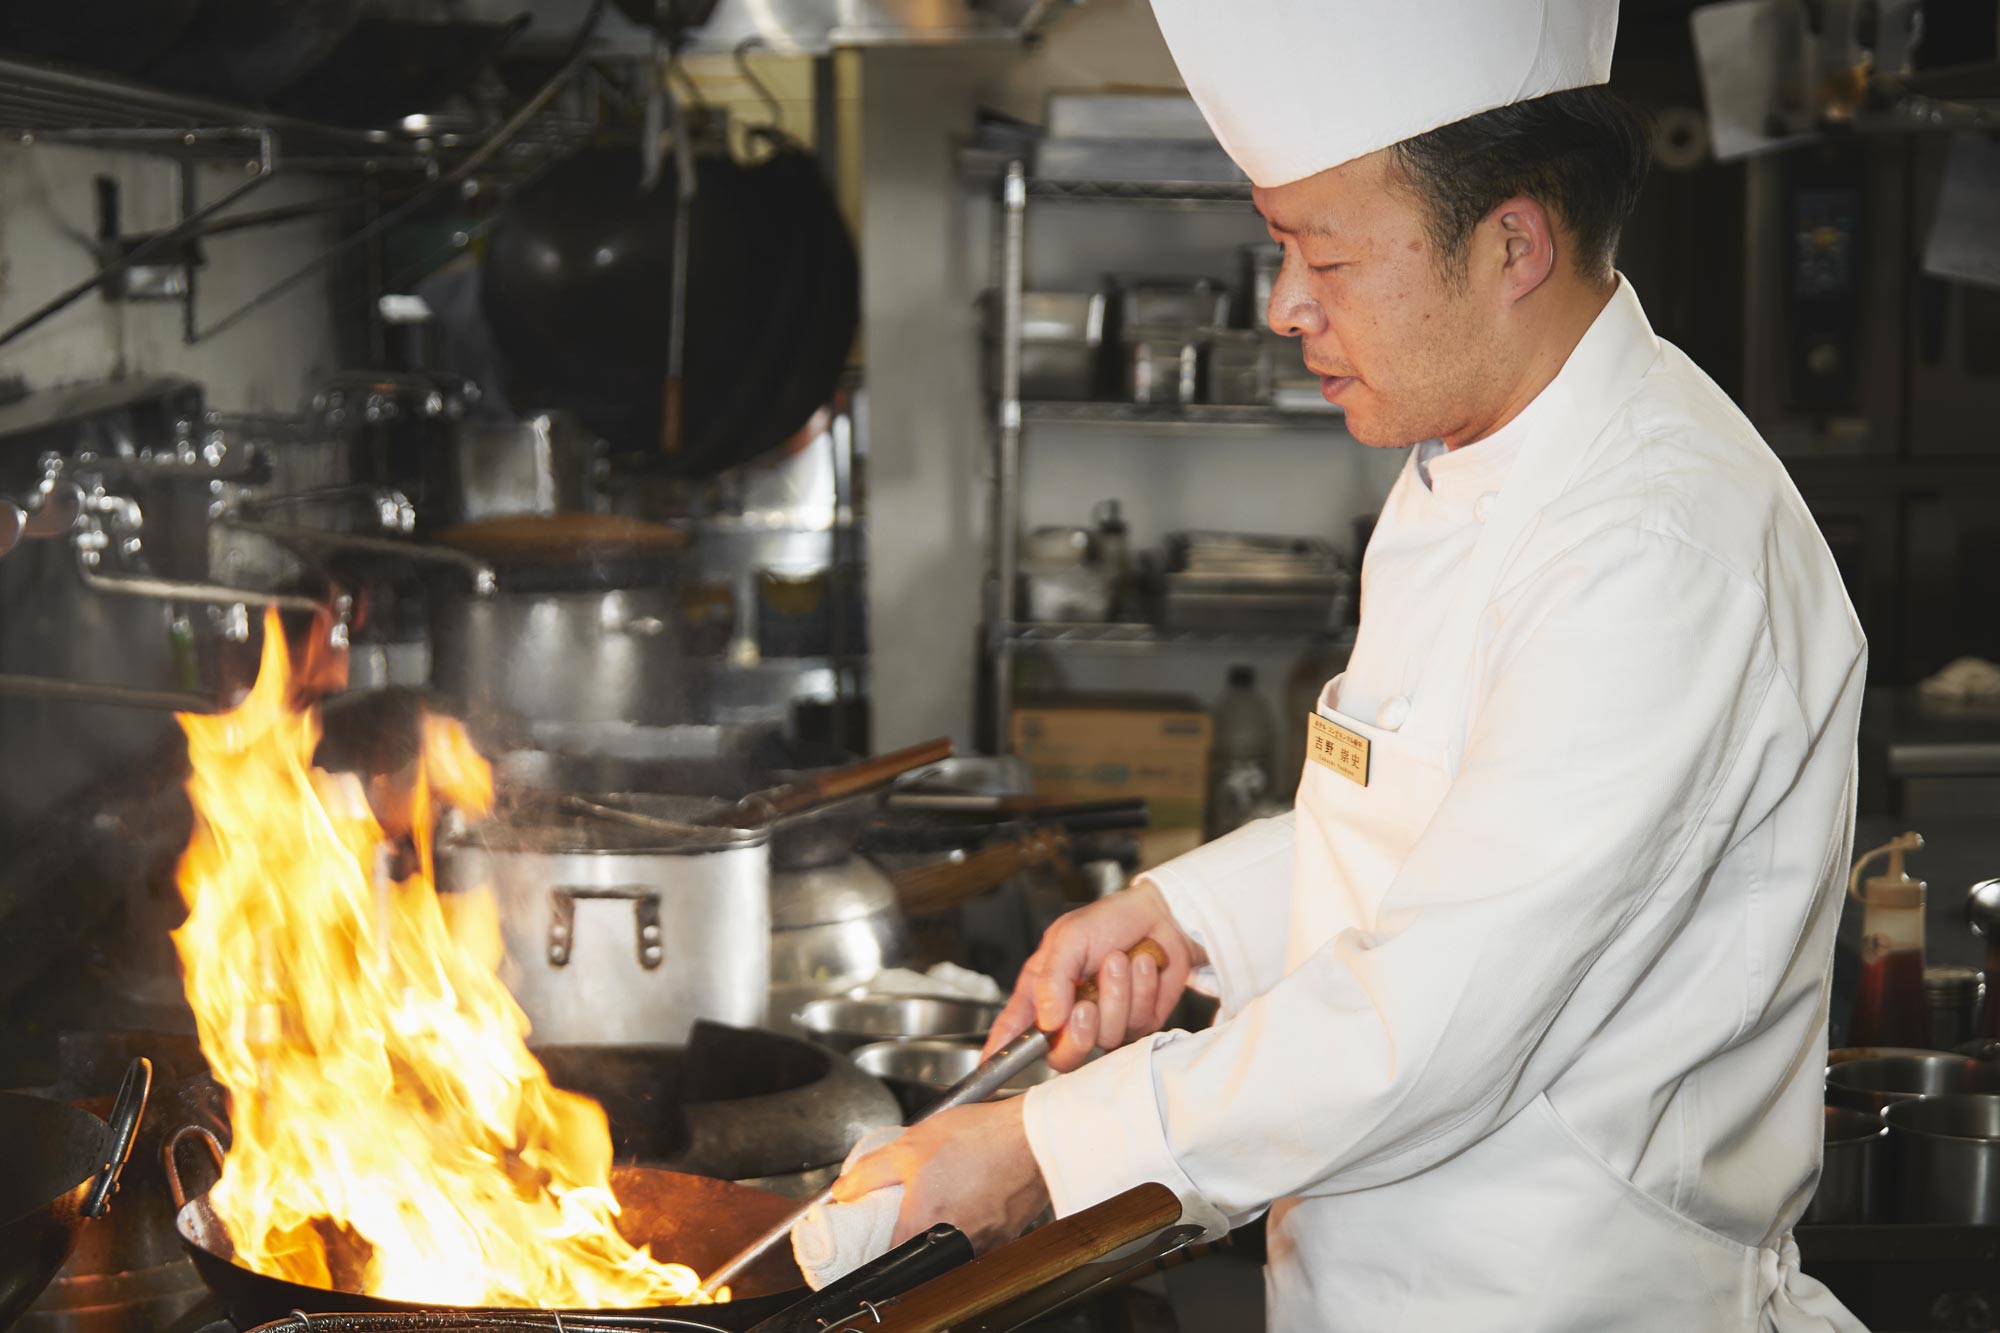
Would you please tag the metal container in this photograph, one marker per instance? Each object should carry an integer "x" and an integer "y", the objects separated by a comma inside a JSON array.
[
  {"x": 1947, "y": 1152},
  {"x": 845, "y": 1022},
  {"x": 917, "y": 1071},
  {"x": 1063, "y": 317},
  {"x": 1951, "y": 998},
  {"x": 564, "y": 654},
  {"x": 1063, "y": 370},
  {"x": 1874, "y": 1085},
  {"x": 1060, "y": 592},
  {"x": 616, "y": 935},
  {"x": 1161, "y": 367},
  {"x": 1259, "y": 265},
  {"x": 833, "y": 927},
  {"x": 1239, "y": 368},
  {"x": 540, "y": 465},
  {"x": 1851, "y": 1167},
  {"x": 1184, "y": 304}
]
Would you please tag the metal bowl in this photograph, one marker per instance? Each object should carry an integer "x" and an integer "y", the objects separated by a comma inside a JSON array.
[
  {"x": 918, "y": 1071},
  {"x": 1947, "y": 1159},
  {"x": 1874, "y": 1085},
  {"x": 845, "y": 1022},
  {"x": 1851, "y": 1166},
  {"x": 1980, "y": 1048}
]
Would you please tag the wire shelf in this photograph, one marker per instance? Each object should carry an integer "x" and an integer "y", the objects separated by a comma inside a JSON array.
[
  {"x": 1190, "y": 418},
  {"x": 43, "y": 102},
  {"x": 1135, "y": 637}
]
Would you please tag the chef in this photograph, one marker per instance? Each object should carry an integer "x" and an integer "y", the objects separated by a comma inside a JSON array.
[{"x": 1523, "y": 1009}]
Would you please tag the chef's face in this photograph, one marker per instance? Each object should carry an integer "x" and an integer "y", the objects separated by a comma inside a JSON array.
[{"x": 1408, "y": 352}]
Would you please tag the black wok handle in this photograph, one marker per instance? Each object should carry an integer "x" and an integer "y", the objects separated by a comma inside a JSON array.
[
  {"x": 125, "y": 1112},
  {"x": 908, "y": 1266}
]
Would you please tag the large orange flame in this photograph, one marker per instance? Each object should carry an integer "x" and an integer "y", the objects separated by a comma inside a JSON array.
[{"x": 393, "y": 1135}]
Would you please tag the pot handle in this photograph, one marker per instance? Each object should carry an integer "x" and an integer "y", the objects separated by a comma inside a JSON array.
[
  {"x": 168, "y": 1159},
  {"x": 126, "y": 1110},
  {"x": 645, "y": 912}
]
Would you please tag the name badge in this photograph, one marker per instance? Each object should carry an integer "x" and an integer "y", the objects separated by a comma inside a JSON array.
[{"x": 1333, "y": 746}]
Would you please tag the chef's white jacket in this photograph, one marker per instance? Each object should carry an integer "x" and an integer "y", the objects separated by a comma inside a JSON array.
[{"x": 1547, "y": 1053}]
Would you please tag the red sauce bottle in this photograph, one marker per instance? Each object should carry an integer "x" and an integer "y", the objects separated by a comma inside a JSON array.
[{"x": 1889, "y": 1003}]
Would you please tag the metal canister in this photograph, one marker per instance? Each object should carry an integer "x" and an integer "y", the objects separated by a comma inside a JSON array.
[
  {"x": 1951, "y": 1000},
  {"x": 618, "y": 936}
]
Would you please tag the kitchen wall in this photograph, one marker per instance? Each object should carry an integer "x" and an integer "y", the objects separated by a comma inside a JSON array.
[{"x": 47, "y": 220}]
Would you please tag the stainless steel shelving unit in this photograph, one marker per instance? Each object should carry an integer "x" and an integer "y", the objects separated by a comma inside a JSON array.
[{"x": 1005, "y": 635}]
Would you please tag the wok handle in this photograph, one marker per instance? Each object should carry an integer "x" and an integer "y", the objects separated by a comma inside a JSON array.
[
  {"x": 824, "y": 788},
  {"x": 914, "y": 1262},
  {"x": 927, "y": 890},
  {"x": 172, "y": 1165},
  {"x": 1035, "y": 1259},
  {"x": 126, "y": 1110}
]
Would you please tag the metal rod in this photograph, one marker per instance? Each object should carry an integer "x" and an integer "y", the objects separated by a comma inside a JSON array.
[
  {"x": 116, "y": 696},
  {"x": 993, "y": 1073},
  {"x": 1007, "y": 445},
  {"x": 144, "y": 250},
  {"x": 484, "y": 580},
  {"x": 174, "y": 590}
]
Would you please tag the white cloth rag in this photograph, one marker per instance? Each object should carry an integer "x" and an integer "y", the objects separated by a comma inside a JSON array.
[
  {"x": 834, "y": 1239},
  {"x": 945, "y": 979}
]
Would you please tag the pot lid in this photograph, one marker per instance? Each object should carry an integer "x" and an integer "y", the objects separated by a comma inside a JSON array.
[{"x": 849, "y": 890}]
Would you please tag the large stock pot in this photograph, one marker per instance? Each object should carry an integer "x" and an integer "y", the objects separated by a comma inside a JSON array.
[{"x": 623, "y": 936}]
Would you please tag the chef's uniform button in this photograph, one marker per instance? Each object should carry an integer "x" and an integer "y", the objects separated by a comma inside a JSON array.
[
  {"x": 1484, "y": 505},
  {"x": 1393, "y": 713}
]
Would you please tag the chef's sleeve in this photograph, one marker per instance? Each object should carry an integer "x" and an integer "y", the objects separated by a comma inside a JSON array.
[
  {"x": 1617, "y": 690},
  {"x": 1232, "y": 897}
]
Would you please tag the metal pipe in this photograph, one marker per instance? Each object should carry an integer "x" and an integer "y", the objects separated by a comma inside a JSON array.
[
  {"x": 484, "y": 580},
  {"x": 1007, "y": 443},
  {"x": 116, "y": 696},
  {"x": 174, "y": 590}
]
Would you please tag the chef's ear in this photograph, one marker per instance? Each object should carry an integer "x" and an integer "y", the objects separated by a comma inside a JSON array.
[{"x": 1527, "y": 237}]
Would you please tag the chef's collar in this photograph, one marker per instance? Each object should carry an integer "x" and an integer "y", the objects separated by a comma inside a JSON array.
[{"x": 1613, "y": 353}]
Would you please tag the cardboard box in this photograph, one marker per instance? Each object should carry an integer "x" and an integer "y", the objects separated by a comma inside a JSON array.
[{"x": 1094, "y": 747}]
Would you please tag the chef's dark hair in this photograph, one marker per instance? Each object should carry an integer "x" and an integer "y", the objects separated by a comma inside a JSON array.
[{"x": 1582, "y": 154}]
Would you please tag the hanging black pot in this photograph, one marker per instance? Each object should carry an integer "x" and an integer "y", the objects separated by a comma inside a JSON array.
[{"x": 577, "y": 285}]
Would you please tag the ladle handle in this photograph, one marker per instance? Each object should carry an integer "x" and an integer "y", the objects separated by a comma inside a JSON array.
[
  {"x": 171, "y": 1162},
  {"x": 126, "y": 1111}
]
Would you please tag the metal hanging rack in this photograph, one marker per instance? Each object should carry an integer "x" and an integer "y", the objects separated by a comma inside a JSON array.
[{"x": 55, "y": 104}]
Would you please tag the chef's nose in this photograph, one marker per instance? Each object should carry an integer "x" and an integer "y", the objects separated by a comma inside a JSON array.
[{"x": 1292, "y": 312}]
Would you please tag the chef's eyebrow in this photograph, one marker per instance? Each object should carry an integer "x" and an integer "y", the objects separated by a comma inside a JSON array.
[{"x": 1312, "y": 227}]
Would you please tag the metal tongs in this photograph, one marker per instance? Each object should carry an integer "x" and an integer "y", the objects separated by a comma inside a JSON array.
[{"x": 993, "y": 1073}]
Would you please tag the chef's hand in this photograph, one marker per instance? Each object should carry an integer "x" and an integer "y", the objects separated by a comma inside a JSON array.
[
  {"x": 970, "y": 1166},
  {"x": 1134, "y": 995}
]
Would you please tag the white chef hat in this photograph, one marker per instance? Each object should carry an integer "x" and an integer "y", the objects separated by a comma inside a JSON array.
[{"x": 1292, "y": 87}]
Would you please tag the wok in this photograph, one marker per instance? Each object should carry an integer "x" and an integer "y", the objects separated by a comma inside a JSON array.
[
  {"x": 576, "y": 283},
  {"x": 65, "y": 1165},
  {"x": 689, "y": 1219}
]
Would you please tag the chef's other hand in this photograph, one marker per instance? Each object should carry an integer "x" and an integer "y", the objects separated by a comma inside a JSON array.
[
  {"x": 1134, "y": 995},
  {"x": 970, "y": 1166}
]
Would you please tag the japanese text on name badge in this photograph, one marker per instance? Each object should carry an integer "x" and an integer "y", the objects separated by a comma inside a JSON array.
[{"x": 1335, "y": 747}]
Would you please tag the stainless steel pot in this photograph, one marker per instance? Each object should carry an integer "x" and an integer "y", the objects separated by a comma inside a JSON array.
[
  {"x": 1947, "y": 1152},
  {"x": 1875, "y": 1084},
  {"x": 554, "y": 654},
  {"x": 1850, "y": 1169},
  {"x": 618, "y": 936},
  {"x": 832, "y": 927}
]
